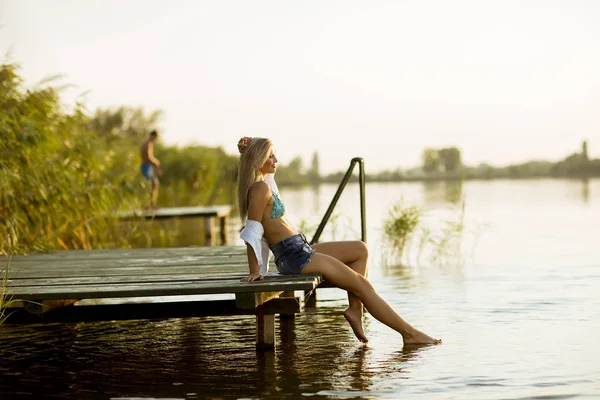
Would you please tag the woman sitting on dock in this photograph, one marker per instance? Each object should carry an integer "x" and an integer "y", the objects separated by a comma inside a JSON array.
[{"x": 344, "y": 264}]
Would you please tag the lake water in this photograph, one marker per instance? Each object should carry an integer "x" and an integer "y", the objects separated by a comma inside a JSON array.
[{"x": 515, "y": 298}]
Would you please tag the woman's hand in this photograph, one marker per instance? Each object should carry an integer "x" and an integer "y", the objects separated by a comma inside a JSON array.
[{"x": 252, "y": 277}]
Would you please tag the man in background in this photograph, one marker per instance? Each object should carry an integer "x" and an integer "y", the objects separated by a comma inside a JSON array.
[{"x": 150, "y": 166}]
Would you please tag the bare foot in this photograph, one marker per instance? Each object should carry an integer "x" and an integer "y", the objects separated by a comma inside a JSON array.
[
  {"x": 418, "y": 337},
  {"x": 354, "y": 318}
]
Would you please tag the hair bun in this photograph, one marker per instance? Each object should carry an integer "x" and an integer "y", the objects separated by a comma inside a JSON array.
[{"x": 243, "y": 143}]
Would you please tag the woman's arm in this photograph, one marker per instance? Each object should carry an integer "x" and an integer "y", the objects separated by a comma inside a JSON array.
[
  {"x": 259, "y": 197},
  {"x": 253, "y": 264}
]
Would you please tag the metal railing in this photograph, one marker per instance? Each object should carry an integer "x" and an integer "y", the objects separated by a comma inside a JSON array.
[{"x": 345, "y": 179}]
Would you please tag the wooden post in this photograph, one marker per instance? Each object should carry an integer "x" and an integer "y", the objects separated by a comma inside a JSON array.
[
  {"x": 288, "y": 293},
  {"x": 224, "y": 222},
  {"x": 287, "y": 330},
  {"x": 209, "y": 227},
  {"x": 265, "y": 329}
]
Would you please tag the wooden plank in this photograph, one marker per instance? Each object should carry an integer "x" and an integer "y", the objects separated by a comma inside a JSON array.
[
  {"x": 227, "y": 285},
  {"x": 161, "y": 261},
  {"x": 126, "y": 271},
  {"x": 241, "y": 267},
  {"x": 158, "y": 289},
  {"x": 225, "y": 267},
  {"x": 16, "y": 273},
  {"x": 111, "y": 280},
  {"x": 166, "y": 263},
  {"x": 177, "y": 212},
  {"x": 222, "y": 264},
  {"x": 124, "y": 257},
  {"x": 118, "y": 312},
  {"x": 149, "y": 253}
]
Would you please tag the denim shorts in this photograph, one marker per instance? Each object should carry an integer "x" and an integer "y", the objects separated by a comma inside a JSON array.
[
  {"x": 148, "y": 171},
  {"x": 292, "y": 254}
]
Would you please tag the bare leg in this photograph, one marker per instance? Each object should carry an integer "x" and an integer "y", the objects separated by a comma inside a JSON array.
[
  {"x": 345, "y": 278},
  {"x": 154, "y": 198},
  {"x": 355, "y": 255}
]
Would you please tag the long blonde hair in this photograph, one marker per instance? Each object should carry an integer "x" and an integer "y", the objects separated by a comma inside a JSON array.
[{"x": 253, "y": 157}]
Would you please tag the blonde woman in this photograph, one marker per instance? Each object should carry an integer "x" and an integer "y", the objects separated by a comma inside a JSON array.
[{"x": 344, "y": 264}]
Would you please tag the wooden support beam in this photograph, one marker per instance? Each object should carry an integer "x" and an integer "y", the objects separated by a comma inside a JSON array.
[
  {"x": 45, "y": 306},
  {"x": 274, "y": 285},
  {"x": 288, "y": 305},
  {"x": 252, "y": 300},
  {"x": 117, "y": 312},
  {"x": 177, "y": 212}
]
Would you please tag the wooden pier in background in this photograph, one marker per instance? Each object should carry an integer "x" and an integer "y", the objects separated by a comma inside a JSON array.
[
  {"x": 211, "y": 214},
  {"x": 75, "y": 285}
]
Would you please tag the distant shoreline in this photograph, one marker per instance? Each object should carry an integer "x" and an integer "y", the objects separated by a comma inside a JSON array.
[{"x": 372, "y": 179}]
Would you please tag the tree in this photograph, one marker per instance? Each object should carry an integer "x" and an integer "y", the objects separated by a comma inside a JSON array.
[
  {"x": 296, "y": 165},
  {"x": 292, "y": 174},
  {"x": 431, "y": 160},
  {"x": 450, "y": 158},
  {"x": 314, "y": 175}
]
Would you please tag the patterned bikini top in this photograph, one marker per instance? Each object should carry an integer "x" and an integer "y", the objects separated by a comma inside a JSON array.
[{"x": 278, "y": 209}]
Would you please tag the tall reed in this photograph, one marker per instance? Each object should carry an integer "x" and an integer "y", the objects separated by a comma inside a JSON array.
[
  {"x": 438, "y": 243},
  {"x": 4, "y": 295},
  {"x": 399, "y": 227},
  {"x": 60, "y": 184}
]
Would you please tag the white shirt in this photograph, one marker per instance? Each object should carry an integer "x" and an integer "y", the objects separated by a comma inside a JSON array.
[{"x": 253, "y": 233}]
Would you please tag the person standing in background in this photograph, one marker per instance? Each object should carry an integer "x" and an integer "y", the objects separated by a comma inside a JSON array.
[{"x": 151, "y": 166}]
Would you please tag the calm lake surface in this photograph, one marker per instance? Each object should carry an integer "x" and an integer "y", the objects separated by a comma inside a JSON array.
[{"x": 515, "y": 298}]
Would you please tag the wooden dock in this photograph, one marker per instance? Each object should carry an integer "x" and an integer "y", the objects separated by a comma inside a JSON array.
[
  {"x": 210, "y": 214},
  {"x": 61, "y": 286}
]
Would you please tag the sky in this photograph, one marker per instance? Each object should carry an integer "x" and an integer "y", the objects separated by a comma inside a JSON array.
[{"x": 504, "y": 81}]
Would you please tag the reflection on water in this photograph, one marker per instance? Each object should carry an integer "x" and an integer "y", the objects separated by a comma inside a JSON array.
[
  {"x": 316, "y": 353},
  {"x": 398, "y": 271},
  {"x": 585, "y": 190},
  {"x": 316, "y": 202},
  {"x": 450, "y": 190},
  {"x": 518, "y": 322},
  {"x": 453, "y": 191}
]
